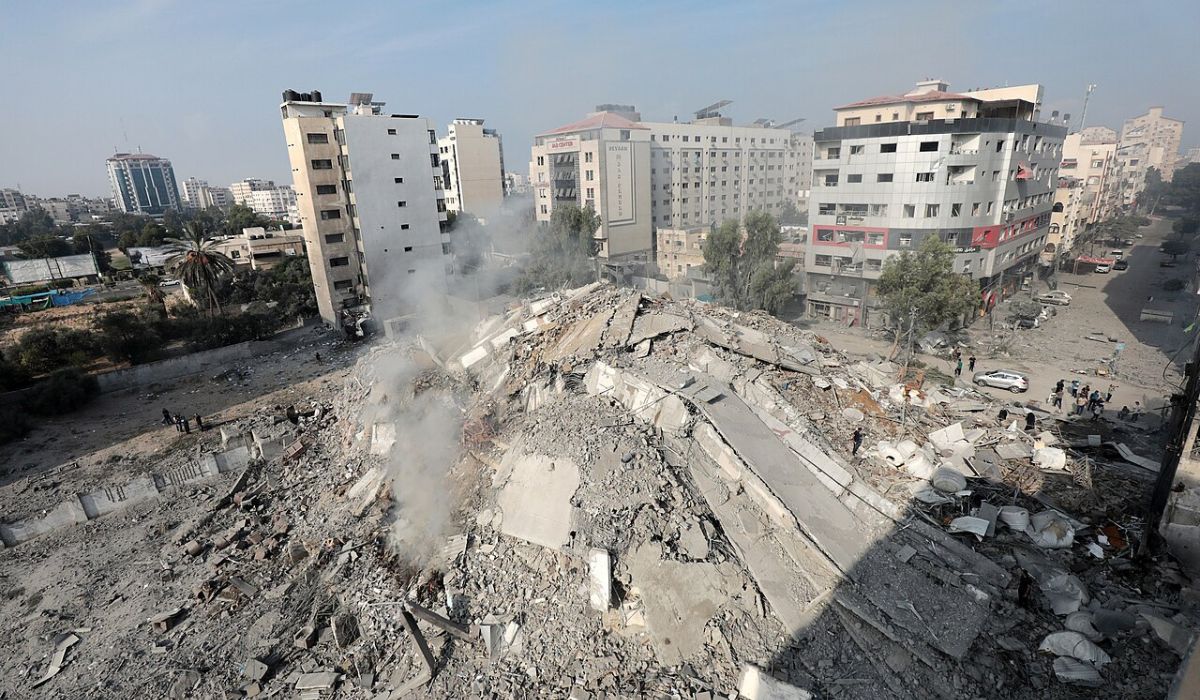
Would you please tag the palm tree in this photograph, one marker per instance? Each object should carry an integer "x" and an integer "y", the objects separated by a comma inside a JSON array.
[
  {"x": 154, "y": 293},
  {"x": 197, "y": 263}
]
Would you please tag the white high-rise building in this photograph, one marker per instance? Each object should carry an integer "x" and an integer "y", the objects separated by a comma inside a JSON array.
[
  {"x": 643, "y": 176},
  {"x": 368, "y": 184},
  {"x": 190, "y": 192},
  {"x": 976, "y": 169},
  {"x": 276, "y": 202},
  {"x": 472, "y": 168},
  {"x": 142, "y": 183}
]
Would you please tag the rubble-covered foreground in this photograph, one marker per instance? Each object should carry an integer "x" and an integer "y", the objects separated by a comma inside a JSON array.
[{"x": 605, "y": 495}]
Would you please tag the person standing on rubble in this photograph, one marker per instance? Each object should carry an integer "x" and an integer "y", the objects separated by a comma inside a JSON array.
[
  {"x": 178, "y": 423},
  {"x": 958, "y": 368},
  {"x": 1059, "y": 387},
  {"x": 167, "y": 420},
  {"x": 199, "y": 423},
  {"x": 1137, "y": 411},
  {"x": 971, "y": 364},
  {"x": 187, "y": 425},
  {"x": 858, "y": 440},
  {"x": 1074, "y": 388},
  {"x": 1030, "y": 421},
  {"x": 1057, "y": 397},
  {"x": 1111, "y": 390},
  {"x": 1080, "y": 403}
]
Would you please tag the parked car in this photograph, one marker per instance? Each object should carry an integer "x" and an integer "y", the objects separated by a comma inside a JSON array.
[
  {"x": 1003, "y": 379},
  {"x": 1029, "y": 322},
  {"x": 1057, "y": 297},
  {"x": 1166, "y": 263},
  {"x": 1103, "y": 269},
  {"x": 1117, "y": 253},
  {"x": 168, "y": 283},
  {"x": 1121, "y": 265}
]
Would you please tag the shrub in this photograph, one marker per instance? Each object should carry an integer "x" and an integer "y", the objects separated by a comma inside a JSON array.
[
  {"x": 63, "y": 391},
  {"x": 44, "y": 350},
  {"x": 124, "y": 336}
]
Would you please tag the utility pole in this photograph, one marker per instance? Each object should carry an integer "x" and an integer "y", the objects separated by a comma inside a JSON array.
[
  {"x": 1088, "y": 96},
  {"x": 912, "y": 323}
]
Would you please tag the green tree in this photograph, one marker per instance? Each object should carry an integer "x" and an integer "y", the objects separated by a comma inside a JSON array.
[
  {"x": 792, "y": 216},
  {"x": 34, "y": 223},
  {"x": 12, "y": 374},
  {"x": 44, "y": 349},
  {"x": 561, "y": 252},
  {"x": 124, "y": 336},
  {"x": 744, "y": 270},
  {"x": 1184, "y": 189},
  {"x": 197, "y": 263},
  {"x": 1153, "y": 191},
  {"x": 154, "y": 294},
  {"x": 1175, "y": 247},
  {"x": 45, "y": 247},
  {"x": 1186, "y": 227},
  {"x": 924, "y": 280}
]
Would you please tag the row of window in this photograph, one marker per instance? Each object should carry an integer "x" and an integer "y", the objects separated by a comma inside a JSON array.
[
  {"x": 872, "y": 265},
  {"x": 1035, "y": 145},
  {"x": 711, "y": 139}
]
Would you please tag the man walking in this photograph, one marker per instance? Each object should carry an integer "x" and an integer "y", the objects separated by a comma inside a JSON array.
[
  {"x": 1074, "y": 387},
  {"x": 1058, "y": 396},
  {"x": 858, "y": 440},
  {"x": 1059, "y": 387},
  {"x": 1108, "y": 396},
  {"x": 971, "y": 364},
  {"x": 1137, "y": 410},
  {"x": 1080, "y": 403},
  {"x": 958, "y": 368},
  {"x": 167, "y": 420}
]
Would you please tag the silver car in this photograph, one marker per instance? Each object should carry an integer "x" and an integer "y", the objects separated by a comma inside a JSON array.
[
  {"x": 1003, "y": 379},
  {"x": 1057, "y": 297}
]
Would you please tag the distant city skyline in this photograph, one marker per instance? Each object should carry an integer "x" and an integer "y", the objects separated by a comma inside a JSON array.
[{"x": 211, "y": 104}]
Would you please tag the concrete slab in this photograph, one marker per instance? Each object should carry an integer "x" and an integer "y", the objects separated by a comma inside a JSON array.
[
  {"x": 680, "y": 599},
  {"x": 582, "y": 338},
  {"x": 617, "y": 333},
  {"x": 536, "y": 498},
  {"x": 655, "y": 325}
]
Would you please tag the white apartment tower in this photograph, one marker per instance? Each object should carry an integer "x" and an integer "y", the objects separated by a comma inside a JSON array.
[
  {"x": 644, "y": 176},
  {"x": 975, "y": 169},
  {"x": 472, "y": 168},
  {"x": 190, "y": 192},
  {"x": 369, "y": 191}
]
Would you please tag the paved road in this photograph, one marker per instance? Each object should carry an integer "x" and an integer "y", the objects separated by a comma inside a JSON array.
[{"x": 1109, "y": 305}]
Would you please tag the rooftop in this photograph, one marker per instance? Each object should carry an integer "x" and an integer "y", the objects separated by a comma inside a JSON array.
[
  {"x": 931, "y": 96},
  {"x": 603, "y": 120}
]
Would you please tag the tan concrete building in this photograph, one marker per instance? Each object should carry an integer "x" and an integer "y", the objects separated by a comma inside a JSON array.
[
  {"x": 1147, "y": 141},
  {"x": 369, "y": 188},
  {"x": 472, "y": 168},
  {"x": 260, "y": 249},
  {"x": 680, "y": 250},
  {"x": 1089, "y": 185},
  {"x": 641, "y": 176}
]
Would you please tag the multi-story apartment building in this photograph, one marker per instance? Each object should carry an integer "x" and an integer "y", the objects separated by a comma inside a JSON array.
[
  {"x": 1147, "y": 141},
  {"x": 641, "y": 176},
  {"x": 1088, "y": 188},
  {"x": 975, "y": 169},
  {"x": 369, "y": 188},
  {"x": 680, "y": 250},
  {"x": 218, "y": 197},
  {"x": 515, "y": 183},
  {"x": 142, "y": 183},
  {"x": 472, "y": 168},
  {"x": 190, "y": 192},
  {"x": 276, "y": 202},
  {"x": 260, "y": 249},
  {"x": 12, "y": 199}
]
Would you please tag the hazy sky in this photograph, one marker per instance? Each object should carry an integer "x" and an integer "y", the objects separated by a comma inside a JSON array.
[{"x": 200, "y": 82}]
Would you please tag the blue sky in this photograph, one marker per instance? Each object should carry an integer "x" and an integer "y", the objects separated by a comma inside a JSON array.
[{"x": 200, "y": 82}]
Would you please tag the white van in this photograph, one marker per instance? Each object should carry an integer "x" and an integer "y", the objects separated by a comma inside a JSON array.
[{"x": 1117, "y": 253}]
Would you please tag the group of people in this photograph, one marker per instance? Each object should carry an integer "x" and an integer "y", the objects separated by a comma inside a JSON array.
[
  {"x": 183, "y": 424},
  {"x": 958, "y": 363},
  {"x": 1085, "y": 400}
]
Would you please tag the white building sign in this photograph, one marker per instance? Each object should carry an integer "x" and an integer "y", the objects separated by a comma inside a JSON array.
[{"x": 619, "y": 204}]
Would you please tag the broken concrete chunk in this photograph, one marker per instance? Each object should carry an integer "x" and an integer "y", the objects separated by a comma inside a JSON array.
[
  {"x": 165, "y": 621},
  {"x": 1015, "y": 517},
  {"x": 948, "y": 480},
  {"x": 255, "y": 670},
  {"x": 184, "y": 684},
  {"x": 1050, "y": 458},
  {"x": 755, "y": 684},
  {"x": 1051, "y": 530},
  {"x": 1112, "y": 623},
  {"x": 1065, "y": 592},
  {"x": 536, "y": 500},
  {"x": 58, "y": 659},
  {"x": 967, "y": 523},
  {"x": 501, "y": 637},
  {"x": 1177, "y": 637},
  {"x": 1074, "y": 671},
  {"x": 317, "y": 681},
  {"x": 599, "y": 579},
  {"x": 1074, "y": 645},
  {"x": 693, "y": 542},
  {"x": 1081, "y": 621}
]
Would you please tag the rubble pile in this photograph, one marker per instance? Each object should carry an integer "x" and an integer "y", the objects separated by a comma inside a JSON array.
[{"x": 598, "y": 494}]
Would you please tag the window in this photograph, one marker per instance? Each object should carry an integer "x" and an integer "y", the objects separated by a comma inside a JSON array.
[
  {"x": 825, "y": 235},
  {"x": 887, "y": 148},
  {"x": 235, "y": 254},
  {"x": 924, "y": 177},
  {"x": 834, "y": 152},
  {"x": 856, "y": 150},
  {"x": 827, "y": 208},
  {"x": 322, "y": 164},
  {"x": 875, "y": 238},
  {"x": 831, "y": 180},
  {"x": 989, "y": 208},
  {"x": 852, "y": 121},
  {"x": 395, "y": 156},
  {"x": 402, "y": 203},
  {"x": 823, "y": 261},
  {"x": 398, "y": 180},
  {"x": 879, "y": 209},
  {"x": 895, "y": 116},
  {"x": 928, "y": 146},
  {"x": 434, "y": 160},
  {"x": 956, "y": 209},
  {"x": 587, "y": 157},
  {"x": 591, "y": 193},
  {"x": 1000, "y": 145},
  {"x": 590, "y": 175},
  {"x": 403, "y": 227},
  {"x": 326, "y": 189},
  {"x": 905, "y": 240},
  {"x": 883, "y": 177},
  {"x": 975, "y": 209},
  {"x": 931, "y": 210},
  {"x": 541, "y": 160},
  {"x": 391, "y": 132},
  {"x": 924, "y": 117},
  {"x": 854, "y": 178},
  {"x": 878, "y": 117},
  {"x": 335, "y": 238},
  {"x": 327, "y": 214},
  {"x": 910, "y": 211},
  {"x": 1097, "y": 164},
  {"x": 339, "y": 262},
  {"x": 544, "y": 210},
  {"x": 318, "y": 138},
  {"x": 342, "y": 285}
]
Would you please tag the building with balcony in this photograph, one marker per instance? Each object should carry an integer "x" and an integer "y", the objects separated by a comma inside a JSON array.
[
  {"x": 276, "y": 202},
  {"x": 472, "y": 168},
  {"x": 142, "y": 183},
  {"x": 369, "y": 188},
  {"x": 641, "y": 176},
  {"x": 260, "y": 249},
  {"x": 680, "y": 250},
  {"x": 975, "y": 169}
]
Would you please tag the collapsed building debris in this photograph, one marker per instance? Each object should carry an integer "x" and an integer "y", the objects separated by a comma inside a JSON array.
[{"x": 599, "y": 494}]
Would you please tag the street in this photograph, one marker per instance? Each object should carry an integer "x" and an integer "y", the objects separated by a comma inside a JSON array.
[{"x": 1109, "y": 305}]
